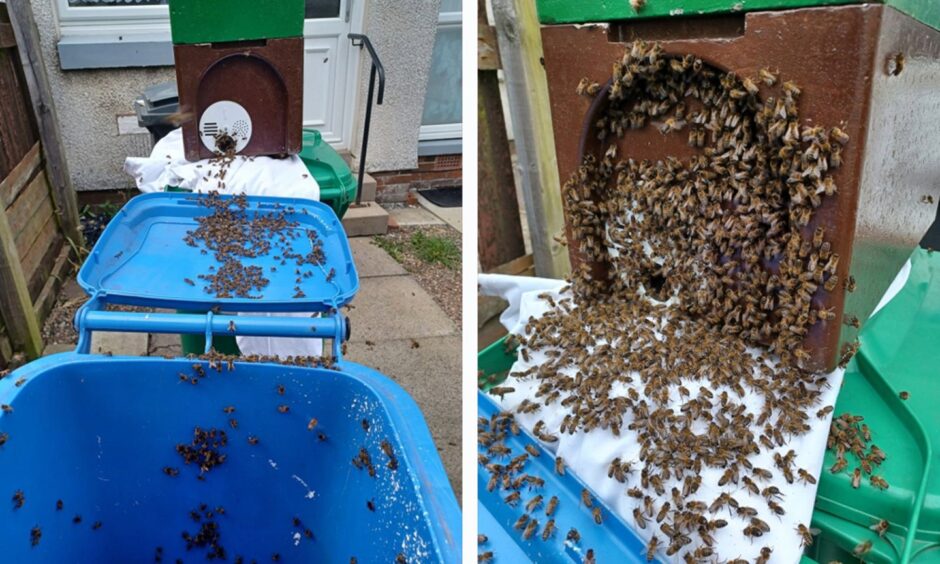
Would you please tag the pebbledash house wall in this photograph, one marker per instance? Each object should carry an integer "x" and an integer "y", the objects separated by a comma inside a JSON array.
[{"x": 98, "y": 123}]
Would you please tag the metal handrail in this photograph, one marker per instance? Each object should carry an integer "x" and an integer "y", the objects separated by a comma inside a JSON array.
[{"x": 359, "y": 40}]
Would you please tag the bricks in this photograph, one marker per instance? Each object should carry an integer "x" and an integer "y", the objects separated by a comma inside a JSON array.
[{"x": 432, "y": 172}]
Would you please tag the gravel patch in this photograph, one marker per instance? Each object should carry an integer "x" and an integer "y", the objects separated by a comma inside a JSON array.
[{"x": 442, "y": 282}]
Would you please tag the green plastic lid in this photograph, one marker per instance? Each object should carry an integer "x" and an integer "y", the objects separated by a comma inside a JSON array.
[
  {"x": 220, "y": 21},
  {"x": 900, "y": 352}
]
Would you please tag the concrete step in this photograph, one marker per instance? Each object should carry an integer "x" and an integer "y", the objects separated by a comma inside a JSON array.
[
  {"x": 369, "y": 186},
  {"x": 369, "y": 218}
]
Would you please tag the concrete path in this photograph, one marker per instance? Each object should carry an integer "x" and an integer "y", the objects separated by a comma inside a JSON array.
[{"x": 399, "y": 330}]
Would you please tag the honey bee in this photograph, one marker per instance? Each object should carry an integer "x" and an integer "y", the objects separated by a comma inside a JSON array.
[
  {"x": 767, "y": 77},
  {"x": 533, "y": 503},
  {"x": 598, "y": 517},
  {"x": 856, "y": 478},
  {"x": 552, "y": 504},
  {"x": 549, "y": 530},
  {"x": 573, "y": 535},
  {"x": 6, "y": 408},
  {"x": 485, "y": 556},
  {"x": 879, "y": 482},
  {"x": 252, "y": 440},
  {"x": 532, "y": 450},
  {"x": 904, "y": 395},
  {"x": 639, "y": 517},
  {"x": 530, "y": 529},
  {"x": 806, "y": 476},
  {"x": 839, "y": 466},
  {"x": 586, "y": 498},
  {"x": 170, "y": 471},
  {"x": 521, "y": 522},
  {"x": 59, "y": 505},
  {"x": 880, "y": 527},
  {"x": 862, "y": 548},
  {"x": 96, "y": 525},
  {"x": 764, "y": 557},
  {"x": 559, "y": 466},
  {"x": 4, "y": 438},
  {"x": 370, "y": 504},
  {"x": 775, "y": 507},
  {"x": 806, "y": 535},
  {"x": 34, "y": 535},
  {"x": 513, "y": 498},
  {"x": 651, "y": 548},
  {"x": 18, "y": 499},
  {"x": 283, "y": 408}
]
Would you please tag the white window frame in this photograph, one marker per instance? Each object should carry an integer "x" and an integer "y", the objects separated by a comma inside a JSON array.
[
  {"x": 106, "y": 20},
  {"x": 444, "y": 131}
]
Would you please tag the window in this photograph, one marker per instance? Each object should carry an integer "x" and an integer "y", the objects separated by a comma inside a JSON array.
[
  {"x": 442, "y": 103},
  {"x": 113, "y": 33},
  {"x": 112, "y": 12}
]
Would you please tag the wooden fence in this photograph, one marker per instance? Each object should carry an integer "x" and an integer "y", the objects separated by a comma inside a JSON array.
[{"x": 34, "y": 217}]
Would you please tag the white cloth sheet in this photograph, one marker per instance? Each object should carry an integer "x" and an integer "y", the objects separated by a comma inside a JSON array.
[
  {"x": 588, "y": 455},
  {"x": 260, "y": 176}
]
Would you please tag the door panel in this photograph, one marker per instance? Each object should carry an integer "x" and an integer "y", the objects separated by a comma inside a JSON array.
[
  {"x": 319, "y": 75},
  {"x": 327, "y": 69}
]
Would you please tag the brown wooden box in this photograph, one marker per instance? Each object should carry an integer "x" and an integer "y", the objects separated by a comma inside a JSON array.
[
  {"x": 265, "y": 77},
  {"x": 845, "y": 61}
]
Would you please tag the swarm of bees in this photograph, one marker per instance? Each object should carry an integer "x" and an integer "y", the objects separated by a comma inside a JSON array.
[
  {"x": 208, "y": 535},
  {"x": 232, "y": 234},
  {"x": 714, "y": 264},
  {"x": 205, "y": 449},
  {"x": 848, "y": 434}
]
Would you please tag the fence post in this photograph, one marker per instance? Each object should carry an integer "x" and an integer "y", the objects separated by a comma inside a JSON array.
[
  {"x": 16, "y": 306},
  {"x": 40, "y": 93},
  {"x": 520, "y": 48},
  {"x": 500, "y": 231}
]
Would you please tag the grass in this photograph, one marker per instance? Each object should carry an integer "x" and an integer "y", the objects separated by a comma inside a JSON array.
[
  {"x": 394, "y": 248},
  {"x": 433, "y": 249},
  {"x": 430, "y": 249}
]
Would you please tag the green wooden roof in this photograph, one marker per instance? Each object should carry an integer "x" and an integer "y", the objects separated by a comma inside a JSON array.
[
  {"x": 217, "y": 21},
  {"x": 585, "y": 11}
]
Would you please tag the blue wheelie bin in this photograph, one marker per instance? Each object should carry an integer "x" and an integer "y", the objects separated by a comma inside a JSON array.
[{"x": 127, "y": 459}]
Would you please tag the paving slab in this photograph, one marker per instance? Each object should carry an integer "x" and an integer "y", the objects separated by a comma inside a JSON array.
[
  {"x": 450, "y": 216},
  {"x": 162, "y": 344},
  {"x": 431, "y": 375},
  {"x": 406, "y": 216},
  {"x": 130, "y": 344},
  {"x": 371, "y": 260},
  {"x": 56, "y": 348},
  {"x": 396, "y": 307}
]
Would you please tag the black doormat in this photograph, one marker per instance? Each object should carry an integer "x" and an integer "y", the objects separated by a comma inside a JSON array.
[{"x": 444, "y": 197}]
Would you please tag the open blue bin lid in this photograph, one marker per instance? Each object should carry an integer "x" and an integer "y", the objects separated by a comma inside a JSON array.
[{"x": 141, "y": 258}]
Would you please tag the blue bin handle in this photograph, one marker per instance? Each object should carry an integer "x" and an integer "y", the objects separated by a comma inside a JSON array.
[{"x": 90, "y": 318}]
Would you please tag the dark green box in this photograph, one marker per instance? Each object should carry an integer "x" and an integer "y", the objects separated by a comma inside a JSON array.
[{"x": 219, "y": 21}]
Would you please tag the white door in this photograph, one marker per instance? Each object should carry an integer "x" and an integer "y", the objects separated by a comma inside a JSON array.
[{"x": 329, "y": 68}]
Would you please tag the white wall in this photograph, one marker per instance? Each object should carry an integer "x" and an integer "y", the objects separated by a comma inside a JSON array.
[
  {"x": 88, "y": 103},
  {"x": 403, "y": 33}
]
